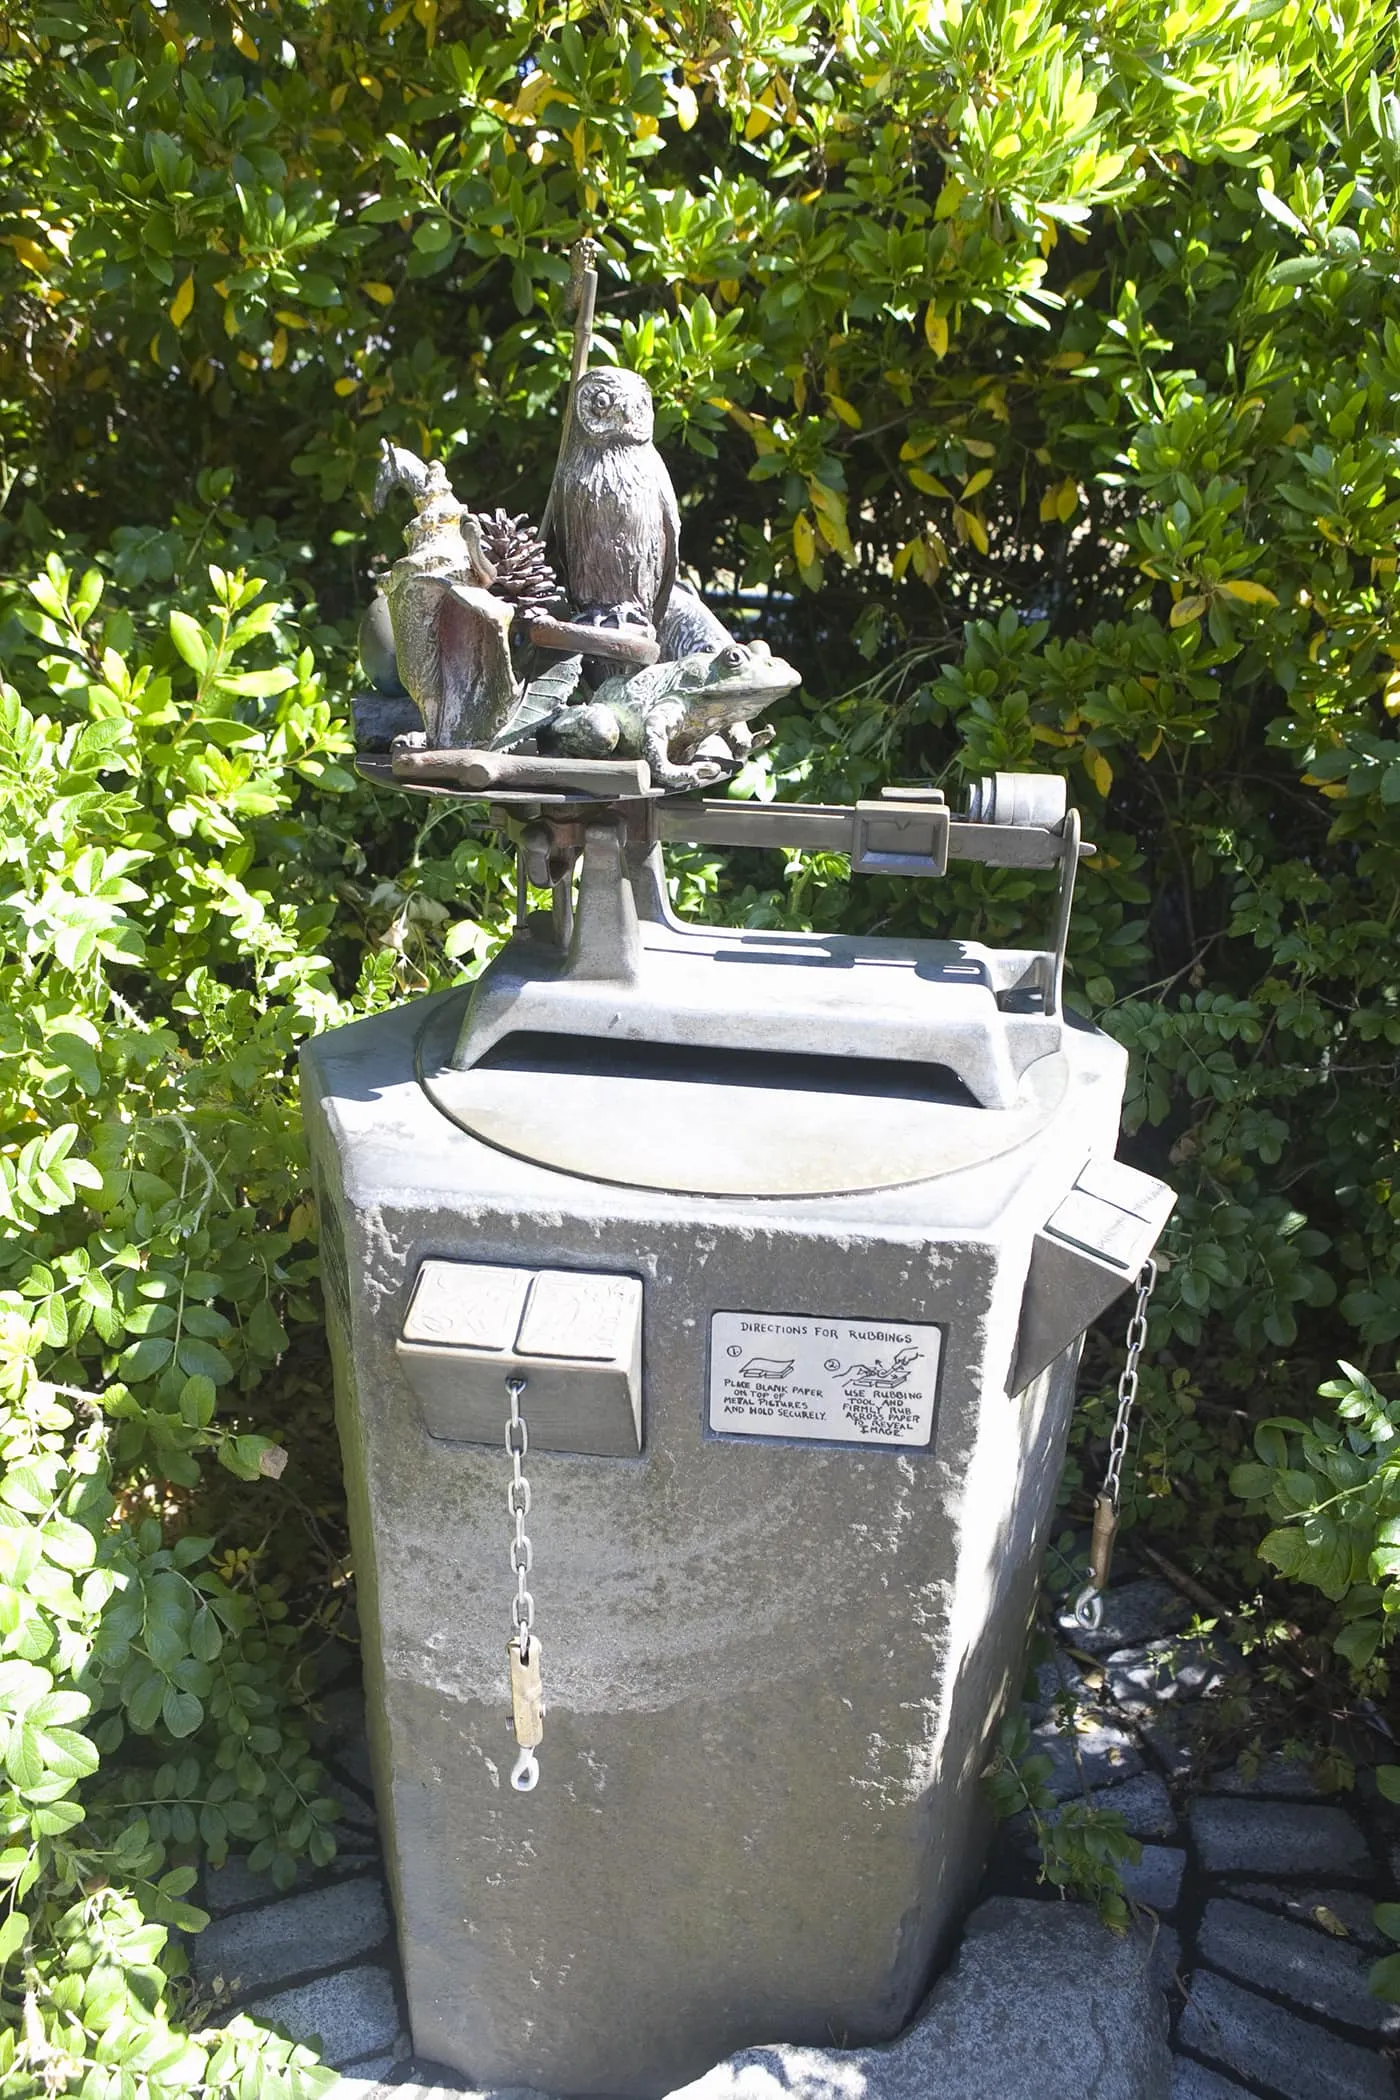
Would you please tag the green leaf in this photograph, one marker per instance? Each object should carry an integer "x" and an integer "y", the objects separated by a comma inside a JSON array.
[
  {"x": 145, "y": 1358},
  {"x": 192, "y": 642},
  {"x": 1357, "y": 1643},
  {"x": 1252, "y": 1482},
  {"x": 206, "y": 1635},
  {"x": 1384, "y": 1977},
  {"x": 1287, "y": 1550},
  {"x": 66, "y": 1754},
  {"x": 181, "y": 1711},
  {"x": 199, "y": 1359}
]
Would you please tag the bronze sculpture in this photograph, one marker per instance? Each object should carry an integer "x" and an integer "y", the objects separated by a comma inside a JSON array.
[
  {"x": 517, "y": 676},
  {"x": 616, "y": 527}
]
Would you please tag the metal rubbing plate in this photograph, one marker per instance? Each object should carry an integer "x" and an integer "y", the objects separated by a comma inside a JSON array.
[
  {"x": 574, "y": 1336},
  {"x": 828, "y": 1380},
  {"x": 581, "y": 1318}
]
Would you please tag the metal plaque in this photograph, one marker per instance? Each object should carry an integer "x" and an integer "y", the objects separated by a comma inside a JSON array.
[{"x": 826, "y": 1380}]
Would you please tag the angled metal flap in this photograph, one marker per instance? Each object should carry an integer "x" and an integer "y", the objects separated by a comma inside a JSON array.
[{"x": 1084, "y": 1256}]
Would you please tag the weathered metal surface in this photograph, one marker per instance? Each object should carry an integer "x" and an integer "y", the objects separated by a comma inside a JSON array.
[
  {"x": 1086, "y": 1254},
  {"x": 491, "y": 772},
  {"x": 715, "y": 1122},
  {"x": 575, "y": 1339}
]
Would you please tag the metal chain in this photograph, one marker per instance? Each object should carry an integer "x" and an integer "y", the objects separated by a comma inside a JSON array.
[
  {"x": 522, "y": 1554},
  {"x": 1128, "y": 1386},
  {"x": 1088, "y": 1605},
  {"x": 526, "y": 1690}
]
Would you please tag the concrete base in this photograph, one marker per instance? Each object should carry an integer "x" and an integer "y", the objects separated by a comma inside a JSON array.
[
  {"x": 772, "y": 1667},
  {"x": 1041, "y": 2004}
]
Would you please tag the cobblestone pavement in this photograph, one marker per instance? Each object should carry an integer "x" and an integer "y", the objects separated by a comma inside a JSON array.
[{"x": 1261, "y": 1888}]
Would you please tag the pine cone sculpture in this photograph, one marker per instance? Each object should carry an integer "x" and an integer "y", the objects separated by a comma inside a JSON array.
[{"x": 516, "y": 552}]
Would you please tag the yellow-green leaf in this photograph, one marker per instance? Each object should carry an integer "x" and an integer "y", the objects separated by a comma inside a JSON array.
[
  {"x": 830, "y": 507},
  {"x": 29, "y": 252},
  {"x": 936, "y": 330},
  {"x": 929, "y": 483},
  {"x": 1249, "y": 593},
  {"x": 844, "y": 410},
  {"x": 971, "y": 527},
  {"x": 191, "y": 641},
  {"x": 183, "y": 301},
  {"x": 804, "y": 540},
  {"x": 978, "y": 482},
  {"x": 687, "y": 108},
  {"x": 382, "y": 294},
  {"x": 1098, "y": 769},
  {"x": 533, "y": 90},
  {"x": 1185, "y": 610}
]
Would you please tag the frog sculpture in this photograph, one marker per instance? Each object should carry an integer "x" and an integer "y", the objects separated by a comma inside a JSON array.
[{"x": 688, "y": 719}]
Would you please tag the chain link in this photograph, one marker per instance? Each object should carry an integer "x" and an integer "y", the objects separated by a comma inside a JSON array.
[
  {"x": 522, "y": 1554},
  {"x": 1088, "y": 1605},
  {"x": 1128, "y": 1386}
]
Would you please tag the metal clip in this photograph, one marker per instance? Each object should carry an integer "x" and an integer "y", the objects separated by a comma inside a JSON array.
[
  {"x": 527, "y": 1709},
  {"x": 1088, "y": 1608},
  {"x": 525, "y": 1772},
  {"x": 1088, "y": 1605}
]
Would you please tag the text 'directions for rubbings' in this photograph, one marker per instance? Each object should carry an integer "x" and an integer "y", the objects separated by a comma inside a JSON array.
[{"x": 827, "y": 1380}]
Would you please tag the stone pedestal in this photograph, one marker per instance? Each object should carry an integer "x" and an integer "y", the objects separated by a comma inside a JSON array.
[{"x": 772, "y": 1660}]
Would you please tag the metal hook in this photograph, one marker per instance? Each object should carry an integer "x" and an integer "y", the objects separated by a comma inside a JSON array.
[
  {"x": 1088, "y": 1608},
  {"x": 525, "y": 1776}
]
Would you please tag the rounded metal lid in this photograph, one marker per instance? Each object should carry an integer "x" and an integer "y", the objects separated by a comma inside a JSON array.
[{"x": 716, "y": 1126}]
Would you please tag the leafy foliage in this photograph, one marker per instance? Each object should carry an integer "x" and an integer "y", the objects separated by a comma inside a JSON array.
[
  {"x": 1031, "y": 380},
  {"x": 1082, "y": 1845}
]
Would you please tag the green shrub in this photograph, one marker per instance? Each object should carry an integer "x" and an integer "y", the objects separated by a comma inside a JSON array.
[{"x": 1033, "y": 369}]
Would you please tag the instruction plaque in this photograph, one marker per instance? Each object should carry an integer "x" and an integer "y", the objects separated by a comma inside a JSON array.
[{"x": 834, "y": 1381}]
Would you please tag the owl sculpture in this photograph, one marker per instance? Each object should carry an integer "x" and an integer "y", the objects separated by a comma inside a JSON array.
[{"x": 614, "y": 523}]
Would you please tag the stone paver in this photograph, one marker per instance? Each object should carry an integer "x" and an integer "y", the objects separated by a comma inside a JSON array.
[
  {"x": 1167, "y": 1673},
  {"x": 355, "y": 2012},
  {"x": 1156, "y": 1879},
  {"x": 411, "y": 2085},
  {"x": 1277, "y": 1837},
  {"x": 1086, "y": 1753},
  {"x": 1166, "y": 1956},
  {"x": 1348, "y": 1908},
  {"x": 1133, "y": 1612},
  {"x": 1192, "y": 2081},
  {"x": 1264, "y": 2044},
  {"x": 1277, "y": 1775},
  {"x": 1170, "y": 1735},
  {"x": 1056, "y": 1681},
  {"x": 1294, "y": 1961},
  {"x": 1143, "y": 1803},
  {"x": 231, "y": 1886},
  {"x": 1040, "y": 2001},
  {"x": 320, "y": 1929}
]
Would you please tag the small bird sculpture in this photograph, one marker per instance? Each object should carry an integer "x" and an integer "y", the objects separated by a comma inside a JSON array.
[{"x": 614, "y": 525}]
